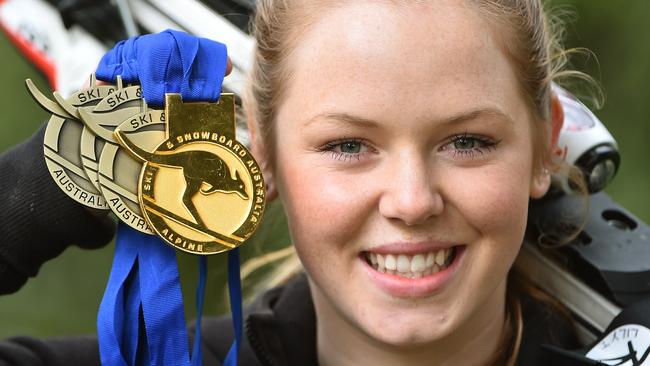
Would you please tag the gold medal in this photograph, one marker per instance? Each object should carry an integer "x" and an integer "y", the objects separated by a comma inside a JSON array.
[
  {"x": 61, "y": 144},
  {"x": 100, "y": 121},
  {"x": 119, "y": 172},
  {"x": 200, "y": 189}
]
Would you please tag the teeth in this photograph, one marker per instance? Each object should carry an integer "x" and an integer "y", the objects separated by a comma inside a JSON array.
[
  {"x": 380, "y": 261},
  {"x": 440, "y": 257},
  {"x": 416, "y": 266},
  {"x": 373, "y": 259},
  {"x": 391, "y": 263},
  {"x": 417, "y": 263},
  {"x": 430, "y": 259},
  {"x": 403, "y": 264}
]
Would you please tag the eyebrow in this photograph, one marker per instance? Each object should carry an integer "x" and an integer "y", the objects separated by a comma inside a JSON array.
[
  {"x": 452, "y": 120},
  {"x": 345, "y": 117}
]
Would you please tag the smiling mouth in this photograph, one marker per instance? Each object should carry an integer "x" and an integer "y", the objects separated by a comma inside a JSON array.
[{"x": 411, "y": 266}]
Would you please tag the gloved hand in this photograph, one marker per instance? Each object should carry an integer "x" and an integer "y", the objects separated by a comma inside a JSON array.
[{"x": 37, "y": 220}]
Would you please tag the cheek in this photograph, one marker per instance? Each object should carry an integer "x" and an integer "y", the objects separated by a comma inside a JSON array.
[
  {"x": 495, "y": 205},
  {"x": 495, "y": 201},
  {"x": 494, "y": 197},
  {"x": 325, "y": 209}
]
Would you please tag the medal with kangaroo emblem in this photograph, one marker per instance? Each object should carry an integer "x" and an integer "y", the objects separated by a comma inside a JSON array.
[
  {"x": 200, "y": 189},
  {"x": 119, "y": 172},
  {"x": 61, "y": 144},
  {"x": 100, "y": 121}
]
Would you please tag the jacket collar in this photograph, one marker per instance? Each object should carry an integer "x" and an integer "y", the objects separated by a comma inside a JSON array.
[{"x": 281, "y": 327}]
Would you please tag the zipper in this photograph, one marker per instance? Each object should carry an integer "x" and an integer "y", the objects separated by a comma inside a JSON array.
[{"x": 260, "y": 351}]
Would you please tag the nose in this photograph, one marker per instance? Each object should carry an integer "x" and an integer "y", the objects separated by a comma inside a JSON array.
[{"x": 410, "y": 194}]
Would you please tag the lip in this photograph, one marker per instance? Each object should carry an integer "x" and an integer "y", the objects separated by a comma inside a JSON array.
[{"x": 414, "y": 287}]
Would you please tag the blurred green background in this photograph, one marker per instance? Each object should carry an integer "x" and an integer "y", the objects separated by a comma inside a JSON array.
[{"x": 64, "y": 298}]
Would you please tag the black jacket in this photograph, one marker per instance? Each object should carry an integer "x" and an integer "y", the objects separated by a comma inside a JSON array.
[
  {"x": 280, "y": 326},
  {"x": 280, "y": 329}
]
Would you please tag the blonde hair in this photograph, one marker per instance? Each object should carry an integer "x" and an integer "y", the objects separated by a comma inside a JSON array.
[{"x": 529, "y": 37}]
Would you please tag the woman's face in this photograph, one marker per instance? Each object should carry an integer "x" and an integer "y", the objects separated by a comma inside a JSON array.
[{"x": 404, "y": 159}]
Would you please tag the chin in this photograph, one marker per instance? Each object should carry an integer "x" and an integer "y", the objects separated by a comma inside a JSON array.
[
  {"x": 407, "y": 324},
  {"x": 408, "y": 336}
]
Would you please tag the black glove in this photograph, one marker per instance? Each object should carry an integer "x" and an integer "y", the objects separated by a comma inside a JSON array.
[{"x": 37, "y": 220}]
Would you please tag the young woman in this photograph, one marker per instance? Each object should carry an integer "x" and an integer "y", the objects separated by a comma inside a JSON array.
[{"x": 405, "y": 140}]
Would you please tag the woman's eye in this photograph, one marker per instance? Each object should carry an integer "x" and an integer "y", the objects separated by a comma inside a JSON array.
[
  {"x": 465, "y": 143},
  {"x": 346, "y": 150},
  {"x": 469, "y": 146},
  {"x": 350, "y": 147}
]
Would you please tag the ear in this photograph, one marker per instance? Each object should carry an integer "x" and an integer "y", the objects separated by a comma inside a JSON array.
[
  {"x": 259, "y": 152},
  {"x": 542, "y": 181}
]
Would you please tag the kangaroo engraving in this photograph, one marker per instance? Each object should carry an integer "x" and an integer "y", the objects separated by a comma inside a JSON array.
[{"x": 194, "y": 164}]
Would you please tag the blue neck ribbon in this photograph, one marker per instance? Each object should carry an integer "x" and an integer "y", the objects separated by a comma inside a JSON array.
[{"x": 141, "y": 320}]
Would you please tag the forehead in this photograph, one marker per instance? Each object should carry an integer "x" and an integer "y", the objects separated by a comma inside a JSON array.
[{"x": 413, "y": 52}]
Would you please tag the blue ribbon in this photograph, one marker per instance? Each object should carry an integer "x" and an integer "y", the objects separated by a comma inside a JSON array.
[
  {"x": 111, "y": 323},
  {"x": 168, "y": 62},
  {"x": 197, "y": 358},
  {"x": 141, "y": 319},
  {"x": 234, "y": 288},
  {"x": 143, "y": 285},
  {"x": 162, "y": 302}
]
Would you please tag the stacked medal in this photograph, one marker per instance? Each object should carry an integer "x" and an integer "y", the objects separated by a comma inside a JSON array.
[{"x": 179, "y": 173}]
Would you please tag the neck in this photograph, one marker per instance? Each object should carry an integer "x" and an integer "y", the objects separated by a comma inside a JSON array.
[{"x": 341, "y": 343}]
